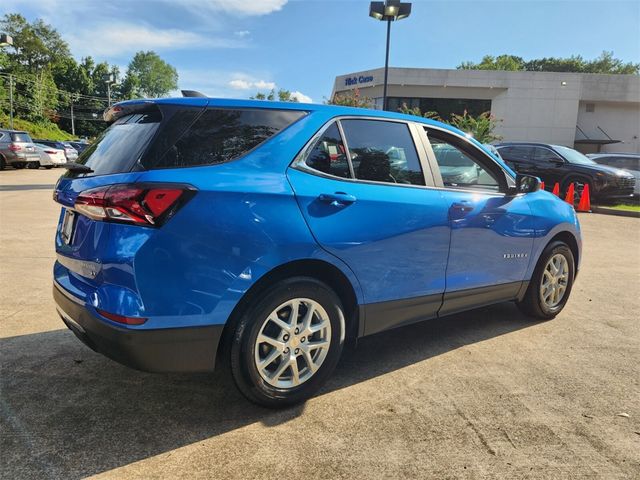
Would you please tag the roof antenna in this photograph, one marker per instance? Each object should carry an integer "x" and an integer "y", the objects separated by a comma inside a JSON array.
[{"x": 192, "y": 93}]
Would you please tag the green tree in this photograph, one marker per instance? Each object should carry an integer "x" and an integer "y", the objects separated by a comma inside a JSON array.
[
  {"x": 282, "y": 95},
  {"x": 605, "y": 63},
  {"x": 480, "y": 127},
  {"x": 351, "y": 99},
  {"x": 149, "y": 76},
  {"x": 489, "y": 62}
]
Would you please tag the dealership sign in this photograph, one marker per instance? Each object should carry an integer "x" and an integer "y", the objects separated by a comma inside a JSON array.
[{"x": 350, "y": 81}]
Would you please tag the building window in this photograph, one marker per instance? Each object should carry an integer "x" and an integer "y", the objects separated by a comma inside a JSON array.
[
  {"x": 444, "y": 107},
  {"x": 591, "y": 107}
]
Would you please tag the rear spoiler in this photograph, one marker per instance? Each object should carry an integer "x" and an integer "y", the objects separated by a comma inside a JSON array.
[{"x": 111, "y": 114}]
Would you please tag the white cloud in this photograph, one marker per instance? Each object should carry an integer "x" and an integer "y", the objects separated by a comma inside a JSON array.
[
  {"x": 242, "y": 33},
  {"x": 241, "y": 7},
  {"x": 301, "y": 97},
  {"x": 247, "y": 84},
  {"x": 121, "y": 38}
]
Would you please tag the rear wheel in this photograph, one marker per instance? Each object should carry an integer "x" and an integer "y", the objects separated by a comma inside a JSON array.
[
  {"x": 19, "y": 165},
  {"x": 48, "y": 167},
  {"x": 288, "y": 343},
  {"x": 33, "y": 165},
  {"x": 578, "y": 184},
  {"x": 551, "y": 283},
  {"x": 2, "y": 163}
]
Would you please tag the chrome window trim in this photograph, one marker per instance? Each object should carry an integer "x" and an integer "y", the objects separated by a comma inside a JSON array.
[{"x": 299, "y": 163}]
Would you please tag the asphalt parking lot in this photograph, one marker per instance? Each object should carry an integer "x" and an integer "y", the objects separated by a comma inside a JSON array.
[{"x": 486, "y": 394}]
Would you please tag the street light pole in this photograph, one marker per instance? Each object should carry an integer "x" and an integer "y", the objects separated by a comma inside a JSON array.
[
  {"x": 11, "y": 101},
  {"x": 386, "y": 68},
  {"x": 389, "y": 11}
]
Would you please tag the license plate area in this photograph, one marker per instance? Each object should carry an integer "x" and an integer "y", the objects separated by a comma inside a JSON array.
[{"x": 68, "y": 222}]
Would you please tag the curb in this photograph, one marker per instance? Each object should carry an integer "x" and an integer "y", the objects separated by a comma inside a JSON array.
[{"x": 613, "y": 211}]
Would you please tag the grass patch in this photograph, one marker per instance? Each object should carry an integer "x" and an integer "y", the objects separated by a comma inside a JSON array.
[
  {"x": 626, "y": 207},
  {"x": 45, "y": 130}
]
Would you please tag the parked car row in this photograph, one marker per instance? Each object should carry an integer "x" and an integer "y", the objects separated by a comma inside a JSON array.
[
  {"x": 564, "y": 165},
  {"x": 19, "y": 150}
]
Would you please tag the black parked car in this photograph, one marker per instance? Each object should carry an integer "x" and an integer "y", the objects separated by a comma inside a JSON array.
[{"x": 555, "y": 163}]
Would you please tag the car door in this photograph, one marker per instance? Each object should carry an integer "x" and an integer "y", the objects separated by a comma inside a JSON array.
[
  {"x": 550, "y": 166},
  {"x": 518, "y": 157},
  {"x": 362, "y": 188},
  {"x": 491, "y": 230}
]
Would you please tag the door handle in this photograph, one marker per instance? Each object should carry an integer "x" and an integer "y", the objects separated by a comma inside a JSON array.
[
  {"x": 462, "y": 207},
  {"x": 337, "y": 199}
]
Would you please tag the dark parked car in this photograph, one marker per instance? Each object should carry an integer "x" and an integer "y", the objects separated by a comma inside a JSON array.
[
  {"x": 625, "y": 161},
  {"x": 555, "y": 163},
  {"x": 79, "y": 146},
  {"x": 17, "y": 149}
]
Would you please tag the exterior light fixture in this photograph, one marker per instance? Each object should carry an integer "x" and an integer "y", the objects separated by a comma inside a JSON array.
[
  {"x": 5, "y": 40},
  {"x": 388, "y": 11}
]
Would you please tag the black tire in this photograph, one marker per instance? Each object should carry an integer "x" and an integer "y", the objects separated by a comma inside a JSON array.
[
  {"x": 3, "y": 164},
  {"x": 579, "y": 183},
  {"x": 243, "y": 341},
  {"x": 532, "y": 303},
  {"x": 19, "y": 165},
  {"x": 33, "y": 165},
  {"x": 48, "y": 167}
]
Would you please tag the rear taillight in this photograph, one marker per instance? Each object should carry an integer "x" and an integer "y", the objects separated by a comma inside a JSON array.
[
  {"x": 139, "y": 204},
  {"x": 50, "y": 151},
  {"x": 14, "y": 147},
  {"x": 122, "y": 319}
]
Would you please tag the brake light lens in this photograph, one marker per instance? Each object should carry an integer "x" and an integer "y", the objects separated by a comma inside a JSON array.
[
  {"x": 139, "y": 204},
  {"x": 14, "y": 147},
  {"x": 122, "y": 319}
]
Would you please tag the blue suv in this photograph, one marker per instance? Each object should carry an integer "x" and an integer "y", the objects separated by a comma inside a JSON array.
[{"x": 264, "y": 235}]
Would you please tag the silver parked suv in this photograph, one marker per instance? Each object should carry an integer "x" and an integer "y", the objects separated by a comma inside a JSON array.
[{"x": 17, "y": 149}]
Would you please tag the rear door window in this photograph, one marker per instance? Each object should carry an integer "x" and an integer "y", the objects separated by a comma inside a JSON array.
[
  {"x": 383, "y": 151},
  {"x": 544, "y": 155},
  {"x": 222, "y": 135}
]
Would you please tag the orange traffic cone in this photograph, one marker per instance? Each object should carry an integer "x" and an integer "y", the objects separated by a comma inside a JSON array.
[
  {"x": 541, "y": 185},
  {"x": 585, "y": 200},
  {"x": 570, "y": 194},
  {"x": 556, "y": 189}
]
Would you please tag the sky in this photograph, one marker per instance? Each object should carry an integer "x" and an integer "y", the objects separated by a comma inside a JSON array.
[{"x": 235, "y": 48}]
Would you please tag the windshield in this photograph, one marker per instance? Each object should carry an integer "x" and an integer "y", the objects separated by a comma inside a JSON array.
[{"x": 573, "y": 156}]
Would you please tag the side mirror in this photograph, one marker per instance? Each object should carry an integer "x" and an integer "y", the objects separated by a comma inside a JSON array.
[{"x": 527, "y": 184}]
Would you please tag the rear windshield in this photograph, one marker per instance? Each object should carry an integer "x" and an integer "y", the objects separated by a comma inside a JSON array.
[
  {"x": 20, "y": 137},
  {"x": 182, "y": 137}
]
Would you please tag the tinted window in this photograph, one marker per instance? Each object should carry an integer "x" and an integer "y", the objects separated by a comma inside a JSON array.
[
  {"x": 458, "y": 169},
  {"x": 516, "y": 153},
  {"x": 21, "y": 137},
  {"x": 542, "y": 155},
  {"x": 328, "y": 154},
  {"x": 382, "y": 151},
  {"x": 221, "y": 135},
  {"x": 624, "y": 162},
  {"x": 121, "y": 145}
]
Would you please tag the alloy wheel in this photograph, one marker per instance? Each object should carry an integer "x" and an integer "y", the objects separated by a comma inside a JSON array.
[
  {"x": 555, "y": 279},
  {"x": 292, "y": 343}
]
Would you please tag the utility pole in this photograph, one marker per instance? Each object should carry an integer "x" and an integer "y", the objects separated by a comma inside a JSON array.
[
  {"x": 11, "y": 101},
  {"x": 73, "y": 123}
]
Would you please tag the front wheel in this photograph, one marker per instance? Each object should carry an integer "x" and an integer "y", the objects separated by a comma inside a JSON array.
[
  {"x": 33, "y": 165},
  {"x": 288, "y": 343},
  {"x": 551, "y": 283}
]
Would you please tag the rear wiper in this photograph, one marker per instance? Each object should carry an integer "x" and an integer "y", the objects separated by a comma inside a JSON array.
[{"x": 76, "y": 167}]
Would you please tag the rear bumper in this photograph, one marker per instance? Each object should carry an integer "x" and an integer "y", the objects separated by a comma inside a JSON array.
[{"x": 189, "y": 349}]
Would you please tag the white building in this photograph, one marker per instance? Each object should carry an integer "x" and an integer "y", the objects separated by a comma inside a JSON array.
[{"x": 590, "y": 112}]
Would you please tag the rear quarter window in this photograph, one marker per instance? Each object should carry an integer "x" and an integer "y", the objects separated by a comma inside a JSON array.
[{"x": 222, "y": 135}]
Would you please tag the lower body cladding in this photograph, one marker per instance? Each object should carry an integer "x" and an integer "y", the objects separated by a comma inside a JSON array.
[{"x": 189, "y": 349}]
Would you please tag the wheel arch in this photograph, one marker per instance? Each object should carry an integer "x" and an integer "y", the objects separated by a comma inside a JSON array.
[
  {"x": 320, "y": 270},
  {"x": 567, "y": 237}
]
